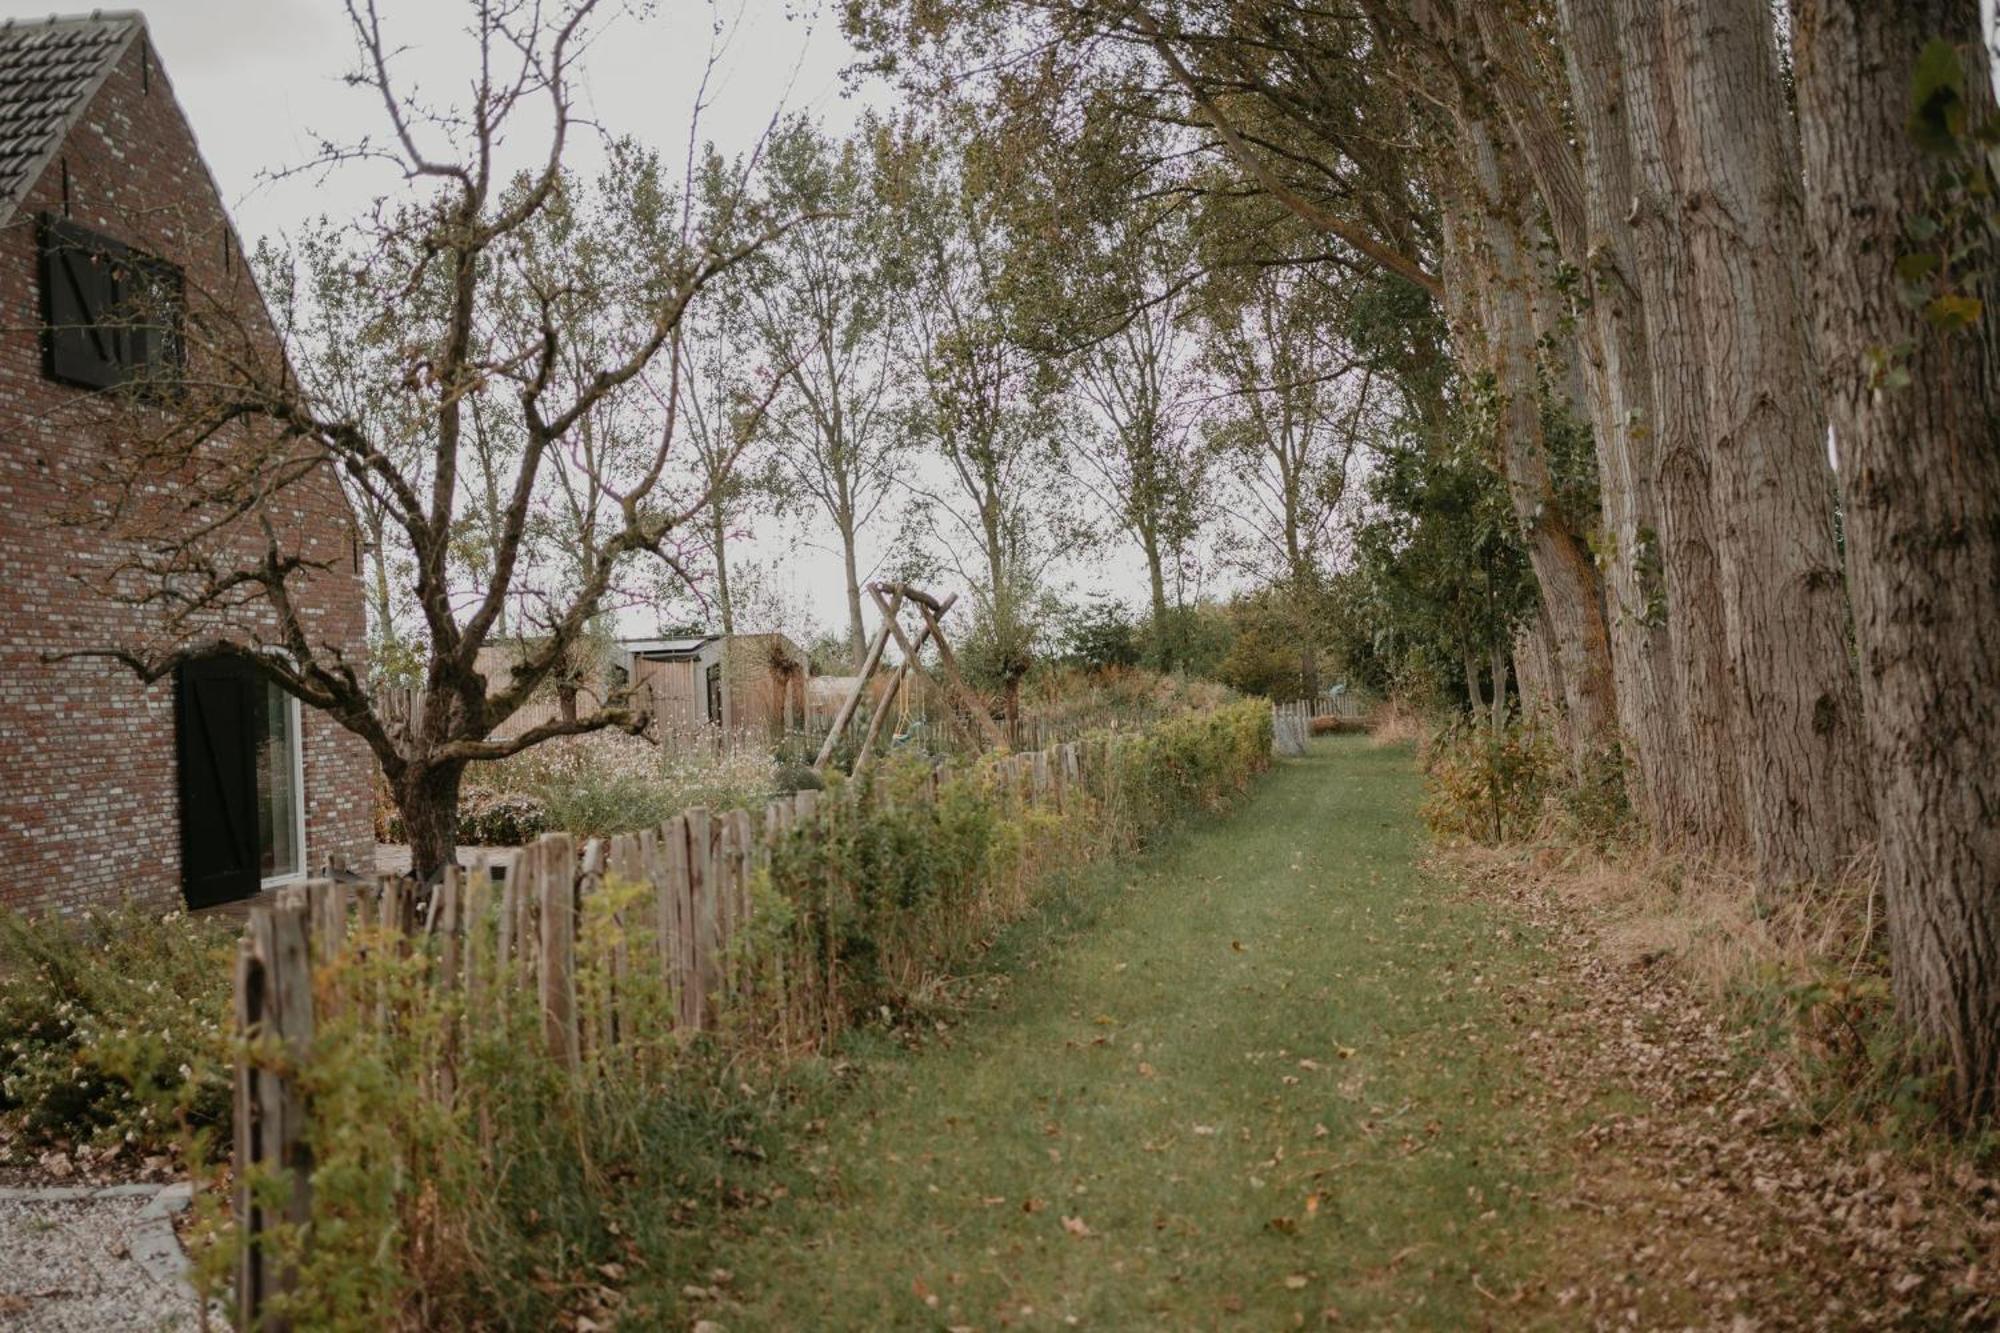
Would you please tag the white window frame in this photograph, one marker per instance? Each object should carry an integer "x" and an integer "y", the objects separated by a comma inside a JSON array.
[{"x": 296, "y": 721}]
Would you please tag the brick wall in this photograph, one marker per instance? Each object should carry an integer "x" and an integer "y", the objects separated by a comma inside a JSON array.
[{"x": 88, "y": 789}]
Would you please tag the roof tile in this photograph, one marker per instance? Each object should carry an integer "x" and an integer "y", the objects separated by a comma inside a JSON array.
[{"x": 48, "y": 71}]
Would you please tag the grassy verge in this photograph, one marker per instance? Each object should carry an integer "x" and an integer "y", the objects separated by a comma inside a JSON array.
[{"x": 1261, "y": 1089}]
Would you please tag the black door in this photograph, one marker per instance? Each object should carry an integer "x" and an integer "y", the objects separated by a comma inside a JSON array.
[{"x": 217, "y": 708}]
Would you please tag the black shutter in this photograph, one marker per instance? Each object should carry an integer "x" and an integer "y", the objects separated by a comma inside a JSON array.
[
  {"x": 80, "y": 339},
  {"x": 110, "y": 314},
  {"x": 218, "y": 708}
]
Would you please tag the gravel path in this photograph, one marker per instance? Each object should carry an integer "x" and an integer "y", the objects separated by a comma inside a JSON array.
[{"x": 93, "y": 1260}]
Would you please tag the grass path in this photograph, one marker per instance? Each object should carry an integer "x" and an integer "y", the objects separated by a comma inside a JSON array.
[{"x": 1260, "y": 1089}]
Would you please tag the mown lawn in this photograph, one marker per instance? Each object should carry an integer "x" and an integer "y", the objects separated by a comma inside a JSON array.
[{"x": 1250, "y": 1081}]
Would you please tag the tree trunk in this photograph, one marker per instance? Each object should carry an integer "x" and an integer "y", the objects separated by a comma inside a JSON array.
[
  {"x": 1702, "y": 676},
  {"x": 1612, "y": 335},
  {"x": 1920, "y": 474},
  {"x": 1497, "y": 655},
  {"x": 857, "y": 636},
  {"x": 1808, "y": 798},
  {"x": 427, "y": 798},
  {"x": 1535, "y": 677},
  {"x": 719, "y": 539},
  {"x": 1571, "y": 592},
  {"x": 1156, "y": 586}
]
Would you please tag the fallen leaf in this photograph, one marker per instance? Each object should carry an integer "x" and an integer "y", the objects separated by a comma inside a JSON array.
[
  {"x": 1296, "y": 1282},
  {"x": 1076, "y": 1226},
  {"x": 1032, "y": 1205}
]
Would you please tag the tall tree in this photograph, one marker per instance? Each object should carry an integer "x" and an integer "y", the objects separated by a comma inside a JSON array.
[
  {"x": 1145, "y": 460},
  {"x": 1295, "y": 404},
  {"x": 1810, "y": 809},
  {"x": 1897, "y": 118},
  {"x": 828, "y": 304},
  {"x": 987, "y": 406}
]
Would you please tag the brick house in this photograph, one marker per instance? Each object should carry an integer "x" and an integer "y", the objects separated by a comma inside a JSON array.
[{"x": 214, "y": 784}]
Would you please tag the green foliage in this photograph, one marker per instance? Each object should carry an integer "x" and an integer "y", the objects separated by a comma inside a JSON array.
[
  {"x": 111, "y": 1028},
  {"x": 1440, "y": 573},
  {"x": 1264, "y": 657},
  {"x": 1950, "y": 236},
  {"x": 1101, "y": 633}
]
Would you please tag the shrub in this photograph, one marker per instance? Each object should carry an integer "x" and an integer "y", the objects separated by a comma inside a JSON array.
[
  {"x": 1485, "y": 788},
  {"x": 113, "y": 1027},
  {"x": 797, "y": 777}
]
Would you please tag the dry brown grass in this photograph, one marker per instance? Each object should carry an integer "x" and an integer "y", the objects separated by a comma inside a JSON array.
[
  {"x": 1395, "y": 722},
  {"x": 1705, "y": 916}
]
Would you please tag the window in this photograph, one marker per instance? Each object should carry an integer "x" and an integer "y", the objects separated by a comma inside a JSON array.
[
  {"x": 281, "y": 827},
  {"x": 111, "y": 315}
]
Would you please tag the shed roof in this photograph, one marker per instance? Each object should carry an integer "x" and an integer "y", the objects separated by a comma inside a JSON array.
[
  {"x": 663, "y": 648},
  {"x": 49, "y": 70}
]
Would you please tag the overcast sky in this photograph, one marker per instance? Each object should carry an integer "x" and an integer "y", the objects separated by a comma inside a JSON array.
[{"x": 261, "y": 81}]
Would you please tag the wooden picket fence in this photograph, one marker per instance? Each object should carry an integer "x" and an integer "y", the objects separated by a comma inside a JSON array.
[
  {"x": 1291, "y": 724},
  {"x": 505, "y": 930}
]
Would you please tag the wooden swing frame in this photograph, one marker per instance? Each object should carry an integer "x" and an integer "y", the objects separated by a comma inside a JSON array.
[{"x": 889, "y": 599}]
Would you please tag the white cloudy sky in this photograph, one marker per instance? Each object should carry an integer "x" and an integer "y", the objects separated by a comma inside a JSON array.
[{"x": 261, "y": 79}]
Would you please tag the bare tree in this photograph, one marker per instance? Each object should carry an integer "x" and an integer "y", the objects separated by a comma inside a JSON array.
[
  {"x": 512, "y": 305},
  {"x": 1147, "y": 466}
]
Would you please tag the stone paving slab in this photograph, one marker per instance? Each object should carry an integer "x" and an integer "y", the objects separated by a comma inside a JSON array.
[{"x": 87, "y": 1258}]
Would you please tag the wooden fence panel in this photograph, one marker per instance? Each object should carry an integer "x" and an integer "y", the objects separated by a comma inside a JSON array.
[
  {"x": 555, "y": 885},
  {"x": 510, "y": 931},
  {"x": 1290, "y": 725},
  {"x": 703, "y": 924},
  {"x": 274, "y": 1005}
]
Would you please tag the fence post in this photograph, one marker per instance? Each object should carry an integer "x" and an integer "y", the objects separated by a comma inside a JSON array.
[
  {"x": 558, "y": 939},
  {"x": 703, "y": 930},
  {"x": 273, "y": 1005}
]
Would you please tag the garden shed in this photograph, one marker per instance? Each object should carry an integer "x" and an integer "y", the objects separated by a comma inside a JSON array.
[{"x": 733, "y": 681}]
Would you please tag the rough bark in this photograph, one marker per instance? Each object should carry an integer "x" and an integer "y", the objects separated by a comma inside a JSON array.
[
  {"x": 1920, "y": 474},
  {"x": 1612, "y": 339},
  {"x": 1808, "y": 798},
  {"x": 1539, "y": 677},
  {"x": 1703, "y": 677},
  {"x": 1491, "y": 285},
  {"x": 427, "y": 799}
]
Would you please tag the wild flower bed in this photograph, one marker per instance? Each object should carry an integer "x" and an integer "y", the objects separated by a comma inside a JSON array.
[
  {"x": 112, "y": 1032},
  {"x": 464, "y": 1175},
  {"x": 600, "y": 784}
]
